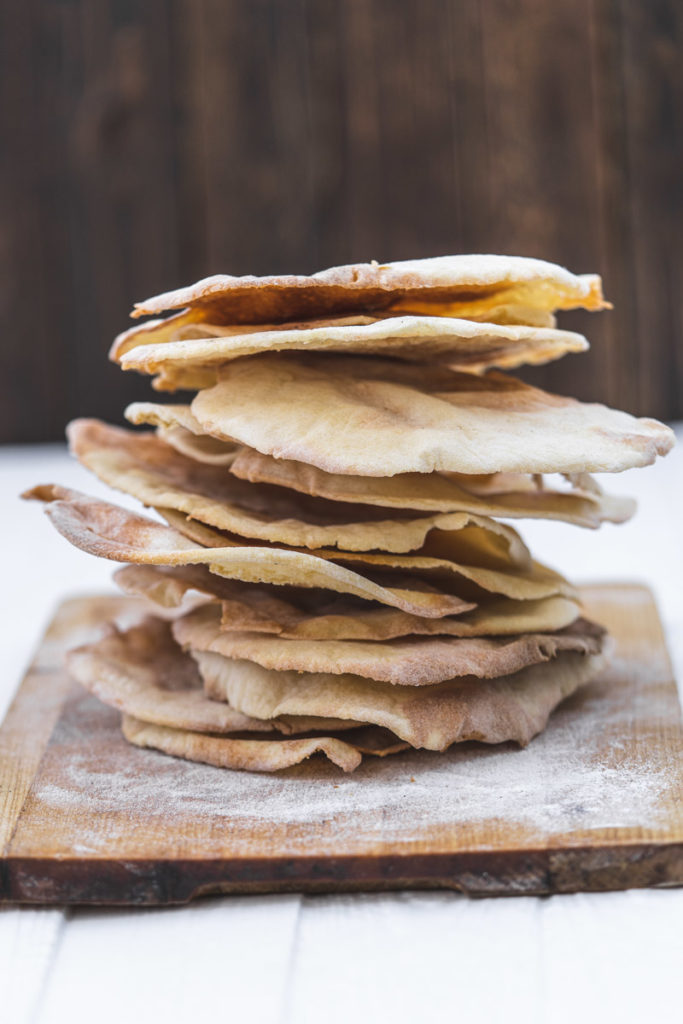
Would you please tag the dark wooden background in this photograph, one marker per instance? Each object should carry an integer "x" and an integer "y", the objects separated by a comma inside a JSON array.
[{"x": 149, "y": 142}]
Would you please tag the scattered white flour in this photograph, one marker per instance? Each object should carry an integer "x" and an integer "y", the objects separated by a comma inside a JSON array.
[
  {"x": 560, "y": 784},
  {"x": 585, "y": 772}
]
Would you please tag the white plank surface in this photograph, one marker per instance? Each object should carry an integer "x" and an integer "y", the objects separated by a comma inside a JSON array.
[{"x": 404, "y": 957}]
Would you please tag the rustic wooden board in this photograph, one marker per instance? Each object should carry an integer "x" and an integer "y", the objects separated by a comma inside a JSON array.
[{"x": 595, "y": 803}]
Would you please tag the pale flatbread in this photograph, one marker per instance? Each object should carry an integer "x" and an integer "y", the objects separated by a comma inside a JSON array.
[
  {"x": 415, "y": 661},
  {"x": 168, "y": 585},
  {"x": 425, "y": 589},
  {"x": 177, "y": 426},
  {"x": 185, "y": 378},
  {"x": 512, "y": 707},
  {"x": 473, "y": 554},
  {"x": 193, "y": 323},
  {"x": 373, "y": 417},
  {"x": 511, "y": 495},
  {"x": 465, "y": 344},
  {"x": 173, "y": 418},
  {"x": 170, "y": 416},
  {"x": 301, "y": 614},
  {"x": 468, "y": 286},
  {"x": 261, "y": 755},
  {"x": 111, "y": 532},
  {"x": 144, "y": 673},
  {"x": 200, "y": 447},
  {"x": 144, "y": 466}
]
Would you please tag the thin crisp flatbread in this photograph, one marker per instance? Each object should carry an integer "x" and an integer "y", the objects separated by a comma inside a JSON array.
[
  {"x": 511, "y": 495},
  {"x": 251, "y": 755},
  {"x": 201, "y": 448},
  {"x": 262, "y": 755},
  {"x": 334, "y": 619},
  {"x": 145, "y": 467},
  {"x": 143, "y": 672},
  {"x": 514, "y": 707},
  {"x": 169, "y": 585},
  {"x": 309, "y": 614},
  {"x": 185, "y": 378},
  {"x": 465, "y": 344},
  {"x": 377, "y": 418},
  {"x": 177, "y": 426},
  {"x": 412, "y": 661},
  {"x": 468, "y": 286},
  {"x": 473, "y": 554},
  {"x": 424, "y": 584},
  {"x": 177, "y": 420},
  {"x": 111, "y": 532}
]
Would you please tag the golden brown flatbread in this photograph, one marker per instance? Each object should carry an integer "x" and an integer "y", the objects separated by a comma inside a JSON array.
[
  {"x": 111, "y": 532},
  {"x": 481, "y": 559},
  {"x": 468, "y": 286},
  {"x": 411, "y": 661},
  {"x": 144, "y": 466},
  {"x": 185, "y": 378},
  {"x": 309, "y": 614},
  {"x": 377, "y": 418}
]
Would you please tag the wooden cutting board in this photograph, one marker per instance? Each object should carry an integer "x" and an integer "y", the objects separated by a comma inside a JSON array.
[{"x": 594, "y": 803}]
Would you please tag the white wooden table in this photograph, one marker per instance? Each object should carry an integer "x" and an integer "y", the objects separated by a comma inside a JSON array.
[{"x": 406, "y": 957}]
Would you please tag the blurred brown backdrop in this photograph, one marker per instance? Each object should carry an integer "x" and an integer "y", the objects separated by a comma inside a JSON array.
[{"x": 149, "y": 142}]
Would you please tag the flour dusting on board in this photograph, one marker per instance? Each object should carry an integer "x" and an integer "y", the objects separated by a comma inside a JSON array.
[
  {"x": 603, "y": 763},
  {"x": 559, "y": 784}
]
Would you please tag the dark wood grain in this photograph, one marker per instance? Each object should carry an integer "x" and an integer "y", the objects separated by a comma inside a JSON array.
[
  {"x": 87, "y": 818},
  {"x": 147, "y": 144}
]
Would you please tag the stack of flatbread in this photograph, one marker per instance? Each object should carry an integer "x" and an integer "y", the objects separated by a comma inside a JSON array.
[{"x": 327, "y": 558}]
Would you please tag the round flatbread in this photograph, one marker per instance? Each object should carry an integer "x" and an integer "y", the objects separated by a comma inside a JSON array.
[
  {"x": 111, "y": 532},
  {"x": 301, "y": 614},
  {"x": 512, "y": 495},
  {"x": 261, "y": 755},
  {"x": 514, "y": 707},
  {"x": 373, "y": 417},
  {"x": 143, "y": 672},
  {"x": 144, "y": 466},
  {"x": 411, "y": 661},
  {"x": 469, "y": 286},
  {"x": 476, "y": 556},
  {"x": 466, "y": 344}
]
